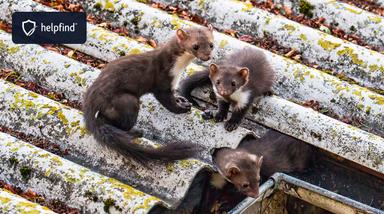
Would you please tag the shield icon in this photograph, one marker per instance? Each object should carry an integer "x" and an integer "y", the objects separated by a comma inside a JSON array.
[{"x": 29, "y": 27}]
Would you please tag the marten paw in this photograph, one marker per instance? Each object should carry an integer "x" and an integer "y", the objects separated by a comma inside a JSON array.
[
  {"x": 207, "y": 114},
  {"x": 231, "y": 125},
  {"x": 183, "y": 103},
  {"x": 219, "y": 117}
]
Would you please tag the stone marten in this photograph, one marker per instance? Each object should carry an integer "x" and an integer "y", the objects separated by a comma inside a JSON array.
[
  {"x": 237, "y": 81},
  {"x": 111, "y": 104},
  {"x": 257, "y": 159}
]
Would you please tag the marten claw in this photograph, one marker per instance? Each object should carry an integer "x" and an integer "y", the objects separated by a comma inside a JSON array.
[
  {"x": 183, "y": 102},
  {"x": 219, "y": 117},
  {"x": 230, "y": 125}
]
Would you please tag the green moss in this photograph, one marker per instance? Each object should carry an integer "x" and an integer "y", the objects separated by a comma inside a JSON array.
[
  {"x": 98, "y": 5},
  {"x": 328, "y": 45},
  {"x": 368, "y": 110},
  {"x": 306, "y": 8},
  {"x": 289, "y": 28},
  {"x": 13, "y": 161},
  {"x": 201, "y": 3},
  {"x": 92, "y": 196},
  {"x": 25, "y": 172},
  {"x": 108, "y": 203},
  {"x": 360, "y": 106},
  {"x": 136, "y": 19},
  {"x": 352, "y": 28},
  {"x": 2, "y": 44}
]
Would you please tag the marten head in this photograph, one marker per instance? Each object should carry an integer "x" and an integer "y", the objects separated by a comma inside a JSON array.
[
  {"x": 197, "y": 41},
  {"x": 227, "y": 79},
  {"x": 242, "y": 169}
]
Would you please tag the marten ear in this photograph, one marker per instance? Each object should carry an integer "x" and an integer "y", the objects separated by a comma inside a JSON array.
[
  {"x": 253, "y": 158},
  {"x": 213, "y": 69},
  {"x": 210, "y": 27},
  {"x": 232, "y": 170},
  {"x": 260, "y": 160},
  {"x": 244, "y": 73},
  {"x": 181, "y": 35}
]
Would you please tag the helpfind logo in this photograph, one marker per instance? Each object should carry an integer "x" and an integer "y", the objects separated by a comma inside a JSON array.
[
  {"x": 48, "y": 27},
  {"x": 31, "y": 30}
]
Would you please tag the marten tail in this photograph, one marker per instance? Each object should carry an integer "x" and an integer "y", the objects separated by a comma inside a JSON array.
[
  {"x": 198, "y": 79},
  {"x": 122, "y": 142}
]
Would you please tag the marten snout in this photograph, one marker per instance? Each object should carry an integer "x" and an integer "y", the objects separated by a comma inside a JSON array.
[{"x": 225, "y": 93}]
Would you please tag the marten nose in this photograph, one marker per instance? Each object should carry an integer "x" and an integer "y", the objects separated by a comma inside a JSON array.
[
  {"x": 205, "y": 58},
  {"x": 224, "y": 92},
  {"x": 253, "y": 194}
]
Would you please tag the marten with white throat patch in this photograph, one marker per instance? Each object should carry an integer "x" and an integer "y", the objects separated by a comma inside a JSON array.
[
  {"x": 111, "y": 104},
  {"x": 237, "y": 81},
  {"x": 257, "y": 159}
]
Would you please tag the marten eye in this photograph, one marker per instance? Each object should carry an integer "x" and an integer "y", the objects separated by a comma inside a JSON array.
[
  {"x": 245, "y": 185},
  {"x": 211, "y": 45},
  {"x": 195, "y": 47},
  {"x": 218, "y": 82},
  {"x": 233, "y": 83}
]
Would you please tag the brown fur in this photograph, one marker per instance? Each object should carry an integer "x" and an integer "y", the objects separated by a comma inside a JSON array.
[
  {"x": 237, "y": 81},
  {"x": 111, "y": 104},
  {"x": 274, "y": 152}
]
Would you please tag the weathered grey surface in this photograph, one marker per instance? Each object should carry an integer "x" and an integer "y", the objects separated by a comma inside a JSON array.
[
  {"x": 295, "y": 82},
  {"x": 154, "y": 120},
  {"x": 56, "y": 177},
  {"x": 364, "y": 66},
  {"x": 14, "y": 204},
  {"x": 351, "y": 19}
]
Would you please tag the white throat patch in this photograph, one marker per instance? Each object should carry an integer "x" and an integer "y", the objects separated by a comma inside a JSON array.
[
  {"x": 241, "y": 98},
  {"x": 181, "y": 62}
]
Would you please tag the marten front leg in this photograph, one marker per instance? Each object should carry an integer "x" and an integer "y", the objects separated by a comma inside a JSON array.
[
  {"x": 235, "y": 120},
  {"x": 174, "y": 104},
  {"x": 221, "y": 113}
]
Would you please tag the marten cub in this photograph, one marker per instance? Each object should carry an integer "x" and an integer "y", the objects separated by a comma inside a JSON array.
[
  {"x": 274, "y": 152},
  {"x": 111, "y": 104},
  {"x": 237, "y": 81}
]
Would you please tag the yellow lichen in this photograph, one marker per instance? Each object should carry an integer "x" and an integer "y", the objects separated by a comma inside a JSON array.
[
  {"x": 290, "y": 28},
  {"x": 13, "y": 50},
  {"x": 377, "y": 98},
  {"x": 4, "y": 200},
  {"x": 135, "y": 51},
  {"x": 109, "y": 6},
  {"x": 56, "y": 161},
  {"x": 146, "y": 204},
  {"x": 170, "y": 167},
  {"x": 303, "y": 37},
  {"x": 353, "y": 10},
  {"x": 375, "y": 19},
  {"x": 328, "y": 45},
  {"x": 156, "y": 23},
  {"x": 350, "y": 52},
  {"x": 223, "y": 43},
  {"x": 247, "y": 6}
]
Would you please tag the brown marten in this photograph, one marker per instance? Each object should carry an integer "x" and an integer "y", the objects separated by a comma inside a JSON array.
[
  {"x": 111, "y": 104},
  {"x": 274, "y": 152},
  {"x": 237, "y": 81}
]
